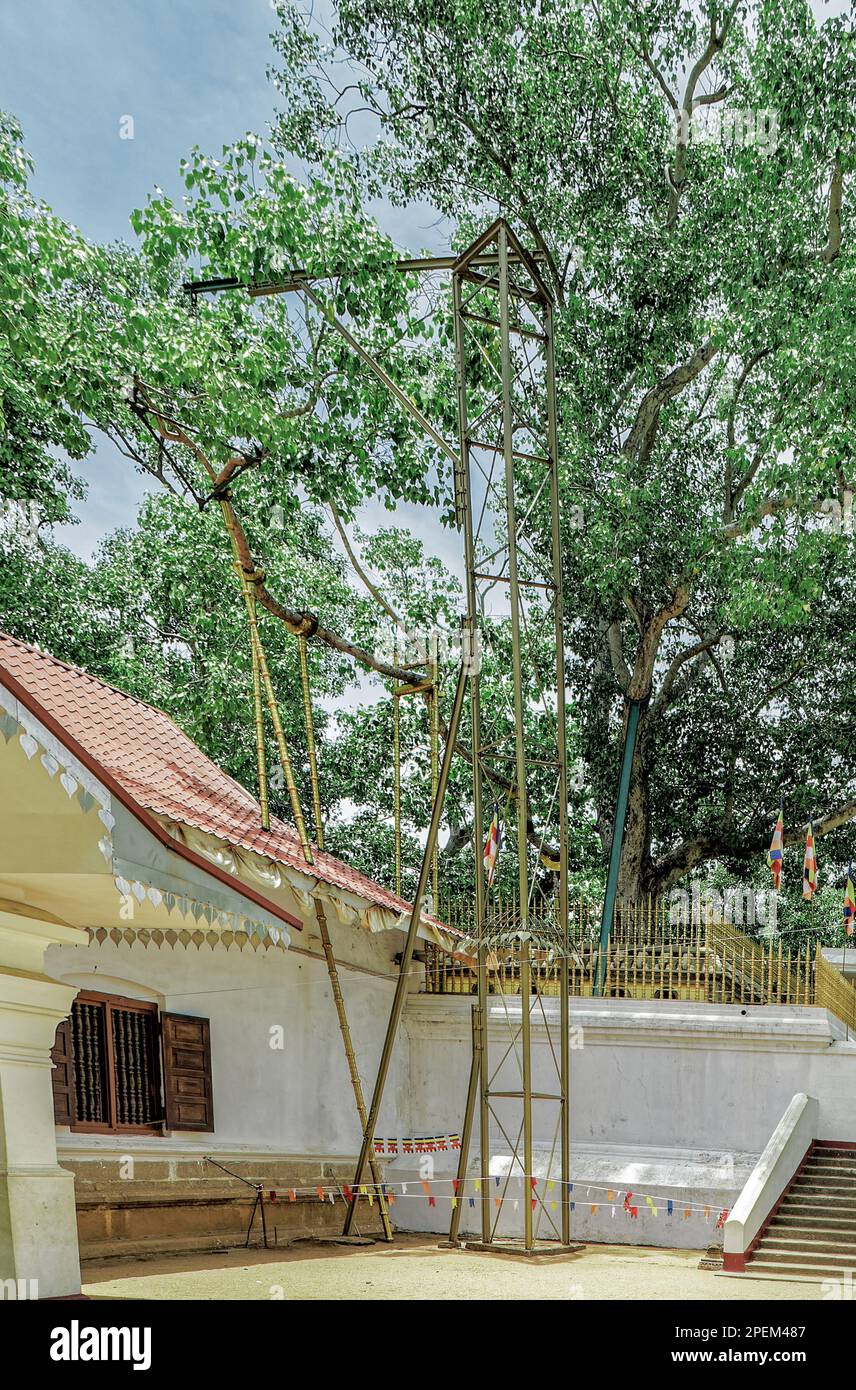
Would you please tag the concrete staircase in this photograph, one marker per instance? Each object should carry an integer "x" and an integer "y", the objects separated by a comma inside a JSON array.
[{"x": 812, "y": 1233}]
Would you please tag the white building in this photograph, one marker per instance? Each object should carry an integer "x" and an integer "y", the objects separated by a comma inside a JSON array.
[
  {"x": 164, "y": 998},
  {"x": 165, "y": 950}
]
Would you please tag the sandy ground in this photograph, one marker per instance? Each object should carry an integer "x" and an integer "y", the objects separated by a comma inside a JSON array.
[{"x": 414, "y": 1268}]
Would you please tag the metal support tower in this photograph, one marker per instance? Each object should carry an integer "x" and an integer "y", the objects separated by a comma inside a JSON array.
[
  {"x": 508, "y": 475},
  {"x": 509, "y": 449}
]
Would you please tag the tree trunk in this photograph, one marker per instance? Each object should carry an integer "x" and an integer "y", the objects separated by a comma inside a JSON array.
[{"x": 635, "y": 864}]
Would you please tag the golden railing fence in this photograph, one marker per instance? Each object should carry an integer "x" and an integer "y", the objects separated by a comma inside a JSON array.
[{"x": 656, "y": 953}]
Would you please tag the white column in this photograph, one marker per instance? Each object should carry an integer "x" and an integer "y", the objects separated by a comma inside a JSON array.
[{"x": 38, "y": 1223}]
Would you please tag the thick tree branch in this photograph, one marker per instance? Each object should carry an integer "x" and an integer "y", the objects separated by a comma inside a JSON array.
[
  {"x": 832, "y": 250},
  {"x": 664, "y": 694},
  {"x": 677, "y": 174},
  {"x": 646, "y": 653},
  {"x": 673, "y": 865},
  {"x": 299, "y": 622},
  {"x": 303, "y": 623},
  {"x": 612, "y": 633},
  {"x": 647, "y": 416}
]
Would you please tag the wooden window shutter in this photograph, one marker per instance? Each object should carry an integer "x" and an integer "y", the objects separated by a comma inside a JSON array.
[
  {"x": 62, "y": 1075},
  {"x": 188, "y": 1099}
]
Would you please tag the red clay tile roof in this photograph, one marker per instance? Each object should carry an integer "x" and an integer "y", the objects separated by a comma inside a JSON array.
[{"x": 162, "y": 770}]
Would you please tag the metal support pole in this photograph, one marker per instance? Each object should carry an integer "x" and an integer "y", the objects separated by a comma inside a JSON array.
[
  {"x": 401, "y": 983},
  {"x": 463, "y": 505},
  {"x": 562, "y": 759},
  {"x": 396, "y": 781},
  {"x": 383, "y": 377},
  {"x": 466, "y": 1132},
  {"x": 310, "y": 741},
  {"x": 526, "y": 1060},
  {"x": 633, "y": 712},
  {"x": 327, "y": 945},
  {"x": 519, "y": 737},
  {"x": 356, "y": 1084},
  {"x": 258, "y": 720},
  {"x": 434, "y": 738}
]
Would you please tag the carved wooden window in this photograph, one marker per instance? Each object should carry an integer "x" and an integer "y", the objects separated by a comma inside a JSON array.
[
  {"x": 109, "y": 1060},
  {"x": 115, "y": 1065}
]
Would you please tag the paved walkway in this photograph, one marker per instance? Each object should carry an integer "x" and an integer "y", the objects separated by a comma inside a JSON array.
[{"x": 414, "y": 1268}]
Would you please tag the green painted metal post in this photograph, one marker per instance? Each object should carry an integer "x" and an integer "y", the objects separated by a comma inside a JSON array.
[{"x": 617, "y": 840}]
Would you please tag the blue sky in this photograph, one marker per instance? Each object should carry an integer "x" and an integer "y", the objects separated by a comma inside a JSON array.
[{"x": 187, "y": 72}]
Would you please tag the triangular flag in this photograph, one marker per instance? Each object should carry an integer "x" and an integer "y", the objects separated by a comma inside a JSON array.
[
  {"x": 776, "y": 850},
  {"x": 849, "y": 903},
  {"x": 492, "y": 847},
  {"x": 809, "y": 865}
]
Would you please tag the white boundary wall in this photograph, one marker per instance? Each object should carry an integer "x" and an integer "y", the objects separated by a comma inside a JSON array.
[{"x": 668, "y": 1099}]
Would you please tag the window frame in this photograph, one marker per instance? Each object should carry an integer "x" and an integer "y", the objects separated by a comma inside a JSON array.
[{"x": 108, "y": 1003}]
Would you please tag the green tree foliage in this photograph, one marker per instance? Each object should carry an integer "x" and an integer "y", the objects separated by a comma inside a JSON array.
[
  {"x": 703, "y": 270},
  {"x": 686, "y": 173},
  {"x": 45, "y": 272}
]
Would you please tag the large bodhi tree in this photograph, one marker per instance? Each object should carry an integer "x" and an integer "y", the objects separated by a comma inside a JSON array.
[
  {"x": 705, "y": 297},
  {"x": 685, "y": 171}
]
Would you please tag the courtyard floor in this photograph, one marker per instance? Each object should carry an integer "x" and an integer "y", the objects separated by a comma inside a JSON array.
[{"x": 414, "y": 1268}]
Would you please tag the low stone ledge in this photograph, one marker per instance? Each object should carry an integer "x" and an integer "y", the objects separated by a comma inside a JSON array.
[{"x": 656, "y": 1022}]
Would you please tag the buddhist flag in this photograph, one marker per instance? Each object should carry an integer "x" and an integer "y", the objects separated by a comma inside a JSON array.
[
  {"x": 849, "y": 903},
  {"x": 492, "y": 845},
  {"x": 774, "y": 854},
  {"x": 810, "y": 865}
]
